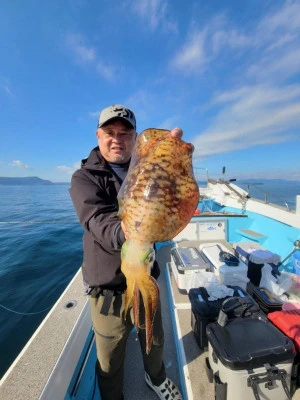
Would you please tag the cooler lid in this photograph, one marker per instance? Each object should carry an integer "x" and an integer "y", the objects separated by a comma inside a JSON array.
[
  {"x": 250, "y": 342},
  {"x": 189, "y": 258}
]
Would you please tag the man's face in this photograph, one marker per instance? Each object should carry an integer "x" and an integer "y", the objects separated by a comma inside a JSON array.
[{"x": 116, "y": 142}]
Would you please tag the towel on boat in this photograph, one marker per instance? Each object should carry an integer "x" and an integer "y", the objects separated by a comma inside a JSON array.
[{"x": 218, "y": 292}]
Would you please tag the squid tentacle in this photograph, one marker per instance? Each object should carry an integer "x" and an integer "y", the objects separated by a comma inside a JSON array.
[{"x": 147, "y": 286}]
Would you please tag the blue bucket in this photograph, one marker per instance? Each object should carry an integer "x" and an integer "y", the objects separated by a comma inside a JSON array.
[{"x": 296, "y": 262}]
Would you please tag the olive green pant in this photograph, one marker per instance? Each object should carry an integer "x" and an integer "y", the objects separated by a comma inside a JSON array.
[{"x": 111, "y": 334}]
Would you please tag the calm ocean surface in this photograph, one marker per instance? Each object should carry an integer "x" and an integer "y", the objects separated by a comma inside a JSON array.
[{"x": 41, "y": 250}]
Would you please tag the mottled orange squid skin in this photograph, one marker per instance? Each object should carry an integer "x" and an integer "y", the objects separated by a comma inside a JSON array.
[{"x": 156, "y": 201}]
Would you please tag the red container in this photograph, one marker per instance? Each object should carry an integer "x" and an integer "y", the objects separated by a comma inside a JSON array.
[{"x": 288, "y": 322}]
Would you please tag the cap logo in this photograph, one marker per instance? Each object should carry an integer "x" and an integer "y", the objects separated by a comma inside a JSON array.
[
  {"x": 123, "y": 112},
  {"x": 116, "y": 111}
]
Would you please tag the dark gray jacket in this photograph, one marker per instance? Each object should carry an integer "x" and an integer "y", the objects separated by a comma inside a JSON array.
[{"x": 94, "y": 189}]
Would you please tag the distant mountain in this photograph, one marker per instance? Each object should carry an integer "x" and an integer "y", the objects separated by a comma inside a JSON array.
[
  {"x": 273, "y": 181},
  {"x": 30, "y": 180}
]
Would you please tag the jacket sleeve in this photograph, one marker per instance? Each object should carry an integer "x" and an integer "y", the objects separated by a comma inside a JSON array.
[{"x": 97, "y": 213}]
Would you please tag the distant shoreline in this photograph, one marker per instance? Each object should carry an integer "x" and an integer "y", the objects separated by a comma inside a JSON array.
[
  {"x": 34, "y": 180},
  {"x": 27, "y": 181}
]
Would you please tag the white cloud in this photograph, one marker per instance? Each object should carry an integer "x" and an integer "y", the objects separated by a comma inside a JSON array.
[
  {"x": 82, "y": 52},
  {"x": 6, "y": 86},
  {"x": 8, "y": 91},
  {"x": 19, "y": 164},
  {"x": 143, "y": 103},
  {"x": 168, "y": 123},
  {"x": 191, "y": 56},
  {"x": 87, "y": 55},
  {"x": 153, "y": 13},
  {"x": 272, "y": 44},
  {"x": 276, "y": 39},
  {"x": 258, "y": 96},
  {"x": 231, "y": 38},
  {"x": 202, "y": 46},
  {"x": 263, "y": 107},
  {"x": 251, "y": 116},
  {"x": 106, "y": 71},
  {"x": 287, "y": 17},
  {"x": 282, "y": 41},
  {"x": 69, "y": 170},
  {"x": 280, "y": 66}
]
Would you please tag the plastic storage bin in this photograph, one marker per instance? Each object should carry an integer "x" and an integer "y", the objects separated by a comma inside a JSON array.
[{"x": 184, "y": 262}]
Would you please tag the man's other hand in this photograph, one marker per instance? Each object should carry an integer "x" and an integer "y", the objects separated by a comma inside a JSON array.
[{"x": 176, "y": 132}]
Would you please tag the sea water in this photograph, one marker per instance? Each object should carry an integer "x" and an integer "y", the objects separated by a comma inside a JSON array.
[
  {"x": 41, "y": 250},
  {"x": 277, "y": 191}
]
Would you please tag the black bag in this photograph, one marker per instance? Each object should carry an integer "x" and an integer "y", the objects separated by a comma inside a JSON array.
[
  {"x": 228, "y": 258},
  {"x": 266, "y": 301}
]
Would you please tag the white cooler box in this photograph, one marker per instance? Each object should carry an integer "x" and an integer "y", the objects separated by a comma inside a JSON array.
[
  {"x": 185, "y": 261},
  {"x": 249, "y": 358},
  {"x": 228, "y": 275}
]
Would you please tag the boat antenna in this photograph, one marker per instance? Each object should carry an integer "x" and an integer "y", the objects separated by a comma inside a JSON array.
[
  {"x": 223, "y": 173},
  {"x": 223, "y": 178}
]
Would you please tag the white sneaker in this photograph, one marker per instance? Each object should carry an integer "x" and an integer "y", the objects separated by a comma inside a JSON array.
[{"x": 165, "y": 391}]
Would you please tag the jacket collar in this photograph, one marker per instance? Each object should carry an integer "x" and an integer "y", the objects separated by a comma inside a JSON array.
[{"x": 94, "y": 161}]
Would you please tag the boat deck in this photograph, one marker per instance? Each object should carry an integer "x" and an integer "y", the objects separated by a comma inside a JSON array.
[
  {"x": 135, "y": 387},
  {"x": 29, "y": 373},
  {"x": 184, "y": 360},
  {"x": 191, "y": 357}
]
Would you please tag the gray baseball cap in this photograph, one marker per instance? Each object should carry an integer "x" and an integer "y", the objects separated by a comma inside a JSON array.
[{"x": 116, "y": 111}]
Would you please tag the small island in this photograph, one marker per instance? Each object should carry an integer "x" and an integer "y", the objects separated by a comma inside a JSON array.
[{"x": 30, "y": 180}]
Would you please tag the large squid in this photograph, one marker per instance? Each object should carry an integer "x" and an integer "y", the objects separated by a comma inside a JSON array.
[{"x": 156, "y": 201}]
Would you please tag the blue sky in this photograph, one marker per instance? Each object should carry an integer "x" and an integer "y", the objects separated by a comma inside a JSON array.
[{"x": 226, "y": 72}]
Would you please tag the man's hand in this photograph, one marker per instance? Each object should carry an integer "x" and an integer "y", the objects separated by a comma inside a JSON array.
[{"x": 176, "y": 132}]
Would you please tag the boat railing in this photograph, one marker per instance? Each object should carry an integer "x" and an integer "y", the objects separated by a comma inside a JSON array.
[
  {"x": 267, "y": 196},
  {"x": 202, "y": 178}
]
